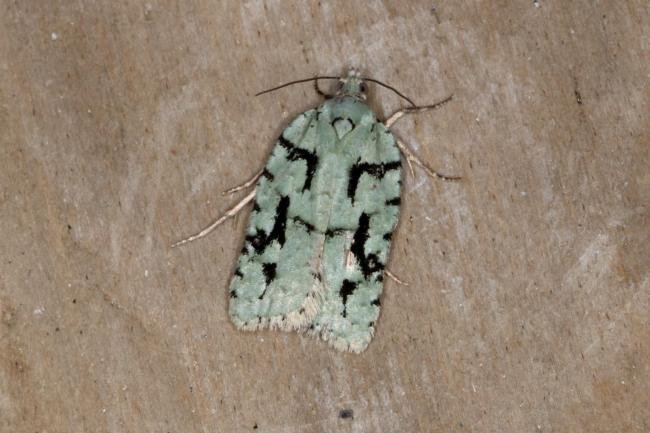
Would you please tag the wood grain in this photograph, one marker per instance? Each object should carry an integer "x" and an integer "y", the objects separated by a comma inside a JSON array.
[{"x": 527, "y": 309}]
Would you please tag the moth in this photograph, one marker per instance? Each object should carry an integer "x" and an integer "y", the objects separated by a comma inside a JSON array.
[{"x": 324, "y": 210}]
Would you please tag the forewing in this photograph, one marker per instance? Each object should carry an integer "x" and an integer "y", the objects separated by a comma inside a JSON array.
[
  {"x": 277, "y": 281},
  {"x": 357, "y": 241}
]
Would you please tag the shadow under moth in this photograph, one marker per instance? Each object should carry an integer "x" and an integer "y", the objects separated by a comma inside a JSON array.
[{"x": 324, "y": 210}]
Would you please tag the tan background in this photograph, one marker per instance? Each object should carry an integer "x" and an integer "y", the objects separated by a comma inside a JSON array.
[{"x": 121, "y": 122}]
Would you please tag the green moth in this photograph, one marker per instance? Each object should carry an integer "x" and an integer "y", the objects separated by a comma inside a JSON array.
[{"x": 318, "y": 238}]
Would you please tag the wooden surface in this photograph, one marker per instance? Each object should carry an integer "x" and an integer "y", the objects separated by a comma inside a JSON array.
[{"x": 529, "y": 296}]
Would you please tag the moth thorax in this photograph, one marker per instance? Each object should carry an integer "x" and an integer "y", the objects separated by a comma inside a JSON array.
[{"x": 352, "y": 85}]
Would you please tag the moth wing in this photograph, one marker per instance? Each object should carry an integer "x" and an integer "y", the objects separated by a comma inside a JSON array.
[
  {"x": 357, "y": 243},
  {"x": 277, "y": 281}
]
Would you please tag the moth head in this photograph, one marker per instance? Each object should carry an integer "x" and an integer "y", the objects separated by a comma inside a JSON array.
[{"x": 353, "y": 85}]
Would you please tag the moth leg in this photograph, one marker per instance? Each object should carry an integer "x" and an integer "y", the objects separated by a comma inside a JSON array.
[
  {"x": 229, "y": 214},
  {"x": 408, "y": 154},
  {"x": 319, "y": 91},
  {"x": 244, "y": 185},
  {"x": 394, "y": 278},
  {"x": 411, "y": 157},
  {"x": 409, "y": 110}
]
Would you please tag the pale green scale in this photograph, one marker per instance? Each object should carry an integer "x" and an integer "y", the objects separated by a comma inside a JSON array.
[{"x": 319, "y": 235}]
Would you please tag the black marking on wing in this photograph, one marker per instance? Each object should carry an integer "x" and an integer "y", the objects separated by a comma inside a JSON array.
[
  {"x": 269, "y": 272},
  {"x": 279, "y": 228},
  {"x": 369, "y": 263},
  {"x": 310, "y": 158},
  {"x": 375, "y": 170},
  {"x": 373, "y": 264},
  {"x": 267, "y": 174},
  {"x": 336, "y": 119},
  {"x": 395, "y": 201},
  {"x": 269, "y": 275},
  {"x": 309, "y": 227},
  {"x": 360, "y": 237},
  {"x": 286, "y": 143},
  {"x": 347, "y": 288},
  {"x": 334, "y": 232},
  {"x": 296, "y": 153},
  {"x": 261, "y": 240},
  {"x": 257, "y": 241}
]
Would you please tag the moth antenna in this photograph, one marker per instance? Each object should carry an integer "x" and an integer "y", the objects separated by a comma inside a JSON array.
[
  {"x": 372, "y": 80},
  {"x": 304, "y": 80}
]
